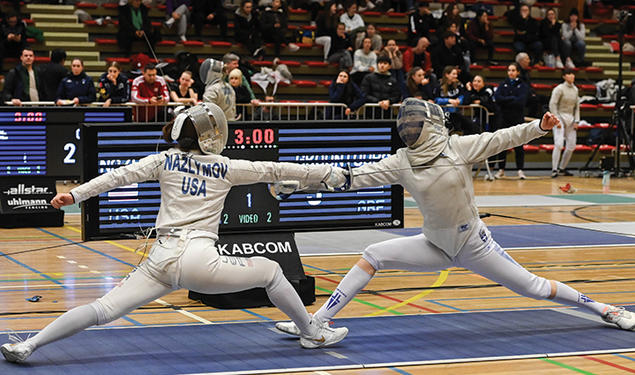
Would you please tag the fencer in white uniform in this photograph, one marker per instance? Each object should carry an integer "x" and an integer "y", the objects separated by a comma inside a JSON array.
[
  {"x": 194, "y": 182},
  {"x": 565, "y": 104},
  {"x": 436, "y": 169}
]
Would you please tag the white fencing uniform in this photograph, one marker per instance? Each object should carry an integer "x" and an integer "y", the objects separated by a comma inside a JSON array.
[
  {"x": 564, "y": 103},
  {"x": 193, "y": 191}
]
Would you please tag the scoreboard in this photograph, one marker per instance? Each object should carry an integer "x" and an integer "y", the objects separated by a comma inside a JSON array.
[
  {"x": 249, "y": 208},
  {"x": 45, "y": 141}
]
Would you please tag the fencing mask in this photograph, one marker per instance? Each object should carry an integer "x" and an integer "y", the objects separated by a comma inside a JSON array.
[
  {"x": 211, "y": 71},
  {"x": 419, "y": 120},
  {"x": 210, "y": 124}
]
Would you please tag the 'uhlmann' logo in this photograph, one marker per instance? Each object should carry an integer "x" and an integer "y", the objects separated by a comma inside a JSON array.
[
  {"x": 17, "y": 203},
  {"x": 22, "y": 189}
]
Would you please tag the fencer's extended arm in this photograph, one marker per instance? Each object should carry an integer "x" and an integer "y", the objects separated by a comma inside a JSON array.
[
  {"x": 244, "y": 172},
  {"x": 383, "y": 172},
  {"x": 143, "y": 170},
  {"x": 478, "y": 147}
]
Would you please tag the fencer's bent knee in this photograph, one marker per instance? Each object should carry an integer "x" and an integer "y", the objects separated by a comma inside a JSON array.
[
  {"x": 268, "y": 269},
  {"x": 104, "y": 315},
  {"x": 372, "y": 256},
  {"x": 537, "y": 288}
]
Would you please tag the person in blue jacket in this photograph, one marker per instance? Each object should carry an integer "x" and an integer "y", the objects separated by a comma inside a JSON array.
[
  {"x": 511, "y": 98},
  {"x": 344, "y": 90},
  {"x": 450, "y": 93},
  {"x": 113, "y": 86},
  {"x": 77, "y": 87}
]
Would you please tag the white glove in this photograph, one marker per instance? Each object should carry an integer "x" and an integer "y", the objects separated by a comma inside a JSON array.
[
  {"x": 283, "y": 189},
  {"x": 336, "y": 180}
]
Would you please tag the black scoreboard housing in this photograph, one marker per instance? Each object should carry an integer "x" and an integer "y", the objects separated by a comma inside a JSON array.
[
  {"x": 249, "y": 208},
  {"x": 45, "y": 141}
]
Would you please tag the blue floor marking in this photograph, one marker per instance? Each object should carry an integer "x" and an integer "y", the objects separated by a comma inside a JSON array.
[
  {"x": 256, "y": 314},
  {"x": 402, "y": 372},
  {"x": 32, "y": 270},
  {"x": 87, "y": 248},
  {"x": 541, "y": 235},
  {"x": 392, "y": 341},
  {"x": 624, "y": 356},
  {"x": 125, "y": 317}
]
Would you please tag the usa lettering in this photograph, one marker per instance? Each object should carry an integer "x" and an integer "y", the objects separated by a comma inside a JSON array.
[{"x": 194, "y": 187}]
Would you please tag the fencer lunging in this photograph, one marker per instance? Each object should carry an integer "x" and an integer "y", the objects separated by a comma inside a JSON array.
[
  {"x": 453, "y": 234},
  {"x": 194, "y": 180}
]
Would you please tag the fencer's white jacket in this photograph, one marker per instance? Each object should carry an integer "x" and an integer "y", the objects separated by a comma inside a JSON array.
[
  {"x": 565, "y": 104},
  {"x": 444, "y": 192},
  {"x": 194, "y": 186}
]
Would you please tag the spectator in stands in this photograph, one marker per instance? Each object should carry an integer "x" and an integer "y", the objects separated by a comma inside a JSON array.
[
  {"x": 242, "y": 95},
  {"x": 231, "y": 61},
  {"x": 341, "y": 49},
  {"x": 113, "y": 86},
  {"x": 381, "y": 87},
  {"x": 573, "y": 45},
  {"x": 274, "y": 26},
  {"x": 134, "y": 25},
  {"x": 184, "y": 92},
  {"x": 327, "y": 21},
  {"x": 352, "y": 20},
  {"x": 209, "y": 11},
  {"x": 526, "y": 33},
  {"x": 535, "y": 102},
  {"x": 149, "y": 91},
  {"x": 418, "y": 56},
  {"x": 511, "y": 98},
  {"x": 450, "y": 93},
  {"x": 77, "y": 87},
  {"x": 13, "y": 34},
  {"x": 396, "y": 64},
  {"x": 451, "y": 14},
  {"x": 177, "y": 11},
  {"x": 217, "y": 90},
  {"x": 419, "y": 85},
  {"x": 52, "y": 74},
  {"x": 247, "y": 29},
  {"x": 364, "y": 62},
  {"x": 480, "y": 34},
  {"x": 447, "y": 53},
  {"x": 565, "y": 105},
  {"x": 550, "y": 38},
  {"x": 420, "y": 23},
  {"x": 344, "y": 90},
  {"x": 462, "y": 45},
  {"x": 23, "y": 83},
  {"x": 375, "y": 39},
  {"x": 478, "y": 93}
]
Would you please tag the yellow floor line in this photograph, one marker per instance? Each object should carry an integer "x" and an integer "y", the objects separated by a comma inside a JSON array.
[{"x": 438, "y": 282}]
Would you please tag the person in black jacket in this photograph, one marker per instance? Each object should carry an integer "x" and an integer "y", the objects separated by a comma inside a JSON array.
[
  {"x": 482, "y": 95},
  {"x": 550, "y": 38},
  {"x": 13, "y": 34},
  {"x": 52, "y": 74},
  {"x": 77, "y": 87},
  {"x": 273, "y": 24},
  {"x": 327, "y": 21},
  {"x": 134, "y": 25},
  {"x": 113, "y": 86},
  {"x": 526, "y": 33},
  {"x": 511, "y": 98},
  {"x": 447, "y": 53},
  {"x": 419, "y": 24},
  {"x": 381, "y": 88},
  {"x": 341, "y": 49},
  {"x": 344, "y": 90},
  {"x": 23, "y": 83},
  {"x": 209, "y": 11},
  {"x": 247, "y": 28},
  {"x": 420, "y": 84}
]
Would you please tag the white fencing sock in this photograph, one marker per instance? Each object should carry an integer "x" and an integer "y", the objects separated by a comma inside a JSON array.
[
  {"x": 354, "y": 281},
  {"x": 555, "y": 158},
  {"x": 566, "y": 156},
  {"x": 569, "y": 296},
  {"x": 68, "y": 324},
  {"x": 282, "y": 294}
]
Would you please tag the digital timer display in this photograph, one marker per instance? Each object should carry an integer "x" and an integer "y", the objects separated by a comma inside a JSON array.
[
  {"x": 45, "y": 141},
  {"x": 252, "y": 209}
]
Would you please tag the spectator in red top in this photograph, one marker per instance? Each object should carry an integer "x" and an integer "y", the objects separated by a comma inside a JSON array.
[
  {"x": 149, "y": 91},
  {"x": 418, "y": 56}
]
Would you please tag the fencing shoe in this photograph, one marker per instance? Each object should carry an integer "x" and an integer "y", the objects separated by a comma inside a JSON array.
[
  {"x": 616, "y": 315},
  {"x": 324, "y": 336},
  {"x": 17, "y": 352},
  {"x": 288, "y": 327}
]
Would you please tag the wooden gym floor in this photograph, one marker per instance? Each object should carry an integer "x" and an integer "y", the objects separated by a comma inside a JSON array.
[{"x": 74, "y": 274}]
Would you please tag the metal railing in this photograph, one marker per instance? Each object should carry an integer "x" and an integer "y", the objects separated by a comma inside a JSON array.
[{"x": 285, "y": 111}]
